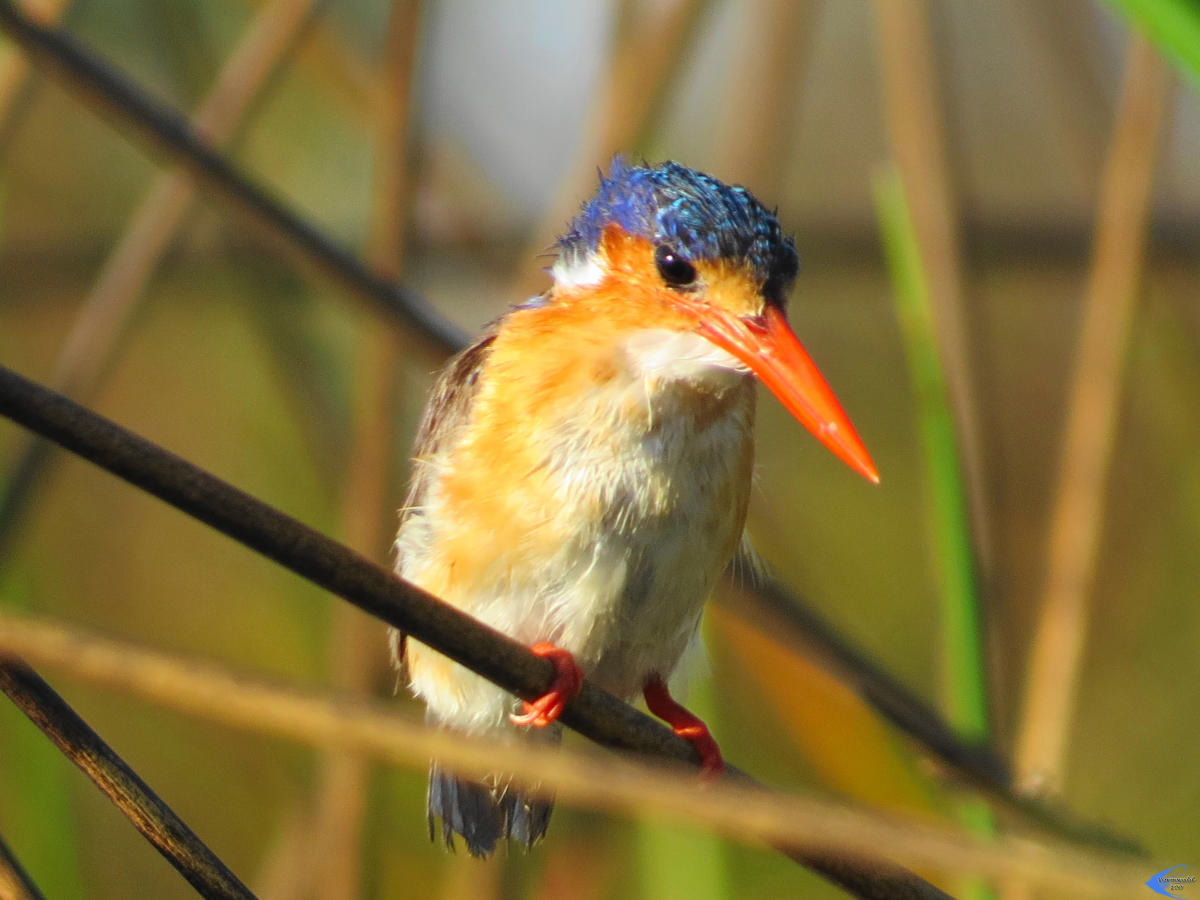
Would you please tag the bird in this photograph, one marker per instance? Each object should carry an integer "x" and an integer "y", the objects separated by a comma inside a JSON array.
[{"x": 582, "y": 470}]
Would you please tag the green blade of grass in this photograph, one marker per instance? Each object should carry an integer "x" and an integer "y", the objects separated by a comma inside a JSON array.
[
  {"x": 965, "y": 681},
  {"x": 953, "y": 557},
  {"x": 1173, "y": 26}
]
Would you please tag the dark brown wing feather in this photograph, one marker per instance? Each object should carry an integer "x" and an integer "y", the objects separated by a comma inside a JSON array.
[{"x": 446, "y": 413}]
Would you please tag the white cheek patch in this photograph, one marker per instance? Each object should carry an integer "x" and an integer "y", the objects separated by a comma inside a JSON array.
[
  {"x": 577, "y": 271},
  {"x": 678, "y": 354}
]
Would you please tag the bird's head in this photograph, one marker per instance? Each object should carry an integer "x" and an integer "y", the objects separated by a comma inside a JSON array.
[{"x": 684, "y": 252}]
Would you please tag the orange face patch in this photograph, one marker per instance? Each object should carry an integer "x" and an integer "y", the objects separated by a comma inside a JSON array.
[{"x": 633, "y": 275}]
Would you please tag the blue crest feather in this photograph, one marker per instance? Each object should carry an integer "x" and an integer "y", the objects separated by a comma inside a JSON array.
[{"x": 696, "y": 214}]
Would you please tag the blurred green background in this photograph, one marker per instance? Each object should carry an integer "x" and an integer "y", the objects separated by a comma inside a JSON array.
[{"x": 256, "y": 367}]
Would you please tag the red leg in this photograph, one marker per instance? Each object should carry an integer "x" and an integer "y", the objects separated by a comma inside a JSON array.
[
  {"x": 686, "y": 724},
  {"x": 568, "y": 679}
]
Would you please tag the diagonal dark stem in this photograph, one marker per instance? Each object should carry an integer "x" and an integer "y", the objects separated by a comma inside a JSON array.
[
  {"x": 14, "y": 878},
  {"x": 770, "y": 602},
  {"x": 149, "y": 814},
  {"x": 595, "y": 714},
  {"x": 170, "y": 133},
  {"x": 789, "y": 618}
]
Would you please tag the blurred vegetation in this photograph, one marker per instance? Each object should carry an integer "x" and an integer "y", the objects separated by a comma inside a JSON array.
[{"x": 246, "y": 364}]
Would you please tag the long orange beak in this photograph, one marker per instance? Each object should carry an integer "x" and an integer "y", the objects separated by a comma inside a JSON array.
[{"x": 771, "y": 349}]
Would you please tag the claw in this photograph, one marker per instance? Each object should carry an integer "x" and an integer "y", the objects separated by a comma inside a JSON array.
[
  {"x": 568, "y": 680},
  {"x": 687, "y": 725}
]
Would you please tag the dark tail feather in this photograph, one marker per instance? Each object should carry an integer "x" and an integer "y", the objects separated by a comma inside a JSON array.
[
  {"x": 483, "y": 813},
  {"x": 527, "y": 817}
]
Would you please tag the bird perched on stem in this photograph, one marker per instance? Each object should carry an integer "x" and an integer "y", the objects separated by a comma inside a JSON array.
[{"x": 582, "y": 471}]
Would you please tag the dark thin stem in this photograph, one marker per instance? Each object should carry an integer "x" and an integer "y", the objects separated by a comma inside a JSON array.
[
  {"x": 792, "y": 620},
  {"x": 153, "y": 818},
  {"x": 785, "y": 614},
  {"x": 14, "y": 879},
  {"x": 595, "y": 713},
  {"x": 171, "y": 133}
]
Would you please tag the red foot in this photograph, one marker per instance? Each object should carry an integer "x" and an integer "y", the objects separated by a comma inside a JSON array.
[
  {"x": 685, "y": 724},
  {"x": 568, "y": 679}
]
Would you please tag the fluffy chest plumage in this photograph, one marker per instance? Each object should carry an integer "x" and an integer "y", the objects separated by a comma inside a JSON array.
[{"x": 591, "y": 500}]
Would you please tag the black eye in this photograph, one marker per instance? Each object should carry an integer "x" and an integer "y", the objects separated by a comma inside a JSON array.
[{"x": 676, "y": 270}]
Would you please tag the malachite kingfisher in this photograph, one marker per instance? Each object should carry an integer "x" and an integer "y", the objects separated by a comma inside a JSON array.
[{"x": 582, "y": 470}]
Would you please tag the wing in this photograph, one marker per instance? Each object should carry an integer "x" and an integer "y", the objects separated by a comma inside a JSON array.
[{"x": 446, "y": 414}]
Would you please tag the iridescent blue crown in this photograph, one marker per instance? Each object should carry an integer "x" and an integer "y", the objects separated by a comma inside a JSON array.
[{"x": 697, "y": 215}]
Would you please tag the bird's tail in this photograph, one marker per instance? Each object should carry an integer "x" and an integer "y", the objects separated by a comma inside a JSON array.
[{"x": 483, "y": 812}]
